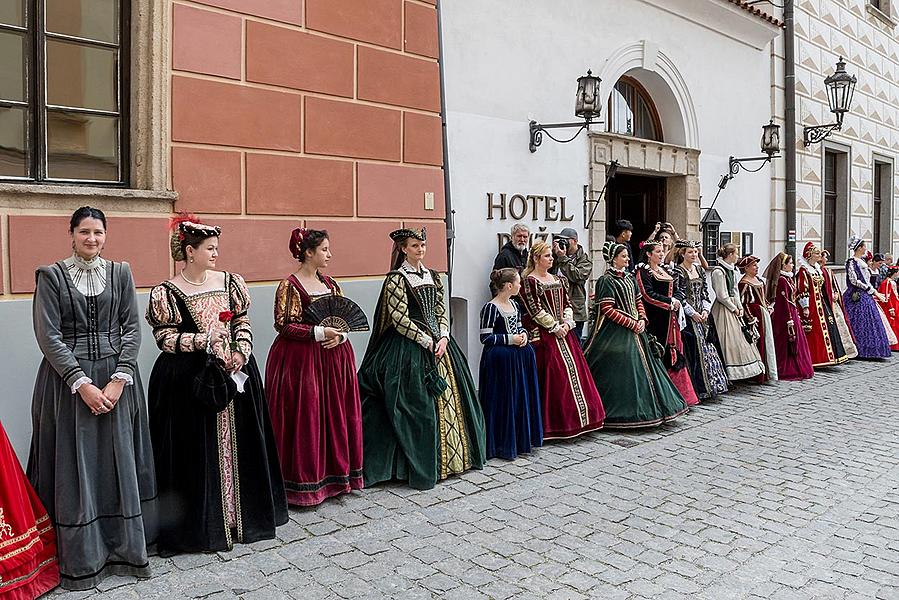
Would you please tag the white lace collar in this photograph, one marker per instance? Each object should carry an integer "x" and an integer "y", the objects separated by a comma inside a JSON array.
[
  {"x": 788, "y": 274},
  {"x": 416, "y": 276},
  {"x": 814, "y": 268},
  {"x": 89, "y": 276}
]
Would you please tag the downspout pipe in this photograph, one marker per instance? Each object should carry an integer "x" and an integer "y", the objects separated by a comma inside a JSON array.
[
  {"x": 449, "y": 219},
  {"x": 790, "y": 125}
]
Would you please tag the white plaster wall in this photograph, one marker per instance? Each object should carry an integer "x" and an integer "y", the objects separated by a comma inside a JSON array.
[{"x": 507, "y": 61}]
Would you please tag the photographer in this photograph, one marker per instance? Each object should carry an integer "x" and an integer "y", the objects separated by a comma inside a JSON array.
[{"x": 574, "y": 265}]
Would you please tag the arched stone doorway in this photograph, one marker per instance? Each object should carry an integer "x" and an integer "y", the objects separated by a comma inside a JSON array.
[{"x": 658, "y": 173}]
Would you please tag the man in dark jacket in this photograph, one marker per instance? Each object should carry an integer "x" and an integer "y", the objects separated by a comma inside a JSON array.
[
  {"x": 622, "y": 230},
  {"x": 514, "y": 254}
]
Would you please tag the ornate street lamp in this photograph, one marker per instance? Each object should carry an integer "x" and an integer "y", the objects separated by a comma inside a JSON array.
[
  {"x": 770, "y": 145},
  {"x": 586, "y": 107},
  {"x": 840, "y": 87}
]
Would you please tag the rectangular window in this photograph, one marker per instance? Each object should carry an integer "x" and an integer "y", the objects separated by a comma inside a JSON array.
[
  {"x": 879, "y": 169},
  {"x": 64, "y": 91},
  {"x": 829, "y": 230}
]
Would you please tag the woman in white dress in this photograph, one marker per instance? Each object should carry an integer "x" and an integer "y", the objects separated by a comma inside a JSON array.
[{"x": 741, "y": 356}]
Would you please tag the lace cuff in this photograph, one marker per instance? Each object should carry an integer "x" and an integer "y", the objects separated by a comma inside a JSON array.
[
  {"x": 79, "y": 382},
  {"x": 128, "y": 379}
]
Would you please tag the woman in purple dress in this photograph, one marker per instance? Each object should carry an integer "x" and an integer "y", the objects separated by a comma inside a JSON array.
[
  {"x": 794, "y": 360},
  {"x": 861, "y": 309}
]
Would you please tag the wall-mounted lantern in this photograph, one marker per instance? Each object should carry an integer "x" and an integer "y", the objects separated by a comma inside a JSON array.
[
  {"x": 840, "y": 87},
  {"x": 770, "y": 145},
  {"x": 586, "y": 107}
]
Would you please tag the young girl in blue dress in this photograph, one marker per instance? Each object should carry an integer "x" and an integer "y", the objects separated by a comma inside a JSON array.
[{"x": 509, "y": 392}]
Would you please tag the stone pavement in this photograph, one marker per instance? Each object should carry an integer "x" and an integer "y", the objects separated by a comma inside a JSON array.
[{"x": 783, "y": 491}]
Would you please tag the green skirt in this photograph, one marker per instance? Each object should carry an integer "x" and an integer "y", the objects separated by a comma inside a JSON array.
[
  {"x": 635, "y": 388},
  {"x": 412, "y": 431}
]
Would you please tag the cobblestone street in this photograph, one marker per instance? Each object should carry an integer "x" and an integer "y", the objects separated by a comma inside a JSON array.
[{"x": 788, "y": 491}]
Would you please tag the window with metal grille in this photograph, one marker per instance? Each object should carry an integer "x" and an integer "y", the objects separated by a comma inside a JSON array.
[{"x": 64, "y": 91}]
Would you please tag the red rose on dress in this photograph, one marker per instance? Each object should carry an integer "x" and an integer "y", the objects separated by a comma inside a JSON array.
[{"x": 225, "y": 316}]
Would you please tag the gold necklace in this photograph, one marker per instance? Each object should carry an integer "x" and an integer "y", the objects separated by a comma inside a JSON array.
[{"x": 205, "y": 277}]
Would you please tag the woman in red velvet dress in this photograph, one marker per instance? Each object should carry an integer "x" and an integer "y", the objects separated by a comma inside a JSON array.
[
  {"x": 752, "y": 295},
  {"x": 28, "y": 565},
  {"x": 794, "y": 360},
  {"x": 656, "y": 286},
  {"x": 310, "y": 381},
  {"x": 818, "y": 319},
  {"x": 890, "y": 303},
  {"x": 570, "y": 402}
]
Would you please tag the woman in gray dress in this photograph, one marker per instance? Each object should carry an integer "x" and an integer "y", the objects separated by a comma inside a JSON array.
[{"x": 91, "y": 461}]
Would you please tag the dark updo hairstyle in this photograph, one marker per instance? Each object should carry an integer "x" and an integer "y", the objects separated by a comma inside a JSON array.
[
  {"x": 86, "y": 212},
  {"x": 501, "y": 277},
  {"x": 302, "y": 239}
]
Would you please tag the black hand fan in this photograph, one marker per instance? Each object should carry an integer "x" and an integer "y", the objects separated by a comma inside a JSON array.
[{"x": 338, "y": 312}]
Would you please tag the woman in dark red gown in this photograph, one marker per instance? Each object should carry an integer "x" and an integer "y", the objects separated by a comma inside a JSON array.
[
  {"x": 310, "y": 381},
  {"x": 794, "y": 361},
  {"x": 570, "y": 402},
  {"x": 752, "y": 295},
  {"x": 28, "y": 565}
]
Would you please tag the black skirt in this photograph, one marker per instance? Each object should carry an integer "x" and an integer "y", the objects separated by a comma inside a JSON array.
[{"x": 191, "y": 465}]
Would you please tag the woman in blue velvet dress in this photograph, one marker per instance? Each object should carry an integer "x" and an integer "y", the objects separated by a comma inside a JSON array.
[
  {"x": 509, "y": 391},
  {"x": 861, "y": 309}
]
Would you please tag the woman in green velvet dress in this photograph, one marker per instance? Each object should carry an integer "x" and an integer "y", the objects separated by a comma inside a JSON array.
[
  {"x": 421, "y": 420},
  {"x": 629, "y": 375}
]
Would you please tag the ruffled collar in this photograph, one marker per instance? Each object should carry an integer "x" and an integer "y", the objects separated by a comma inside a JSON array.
[
  {"x": 787, "y": 274},
  {"x": 617, "y": 272},
  {"x": 408, "y": 268},
  {"x": 726, "y": 265},
  {"x": 87, "y": 265},
  {"x": 803, "y": 263},
  {"x": 89, "y": 276}
]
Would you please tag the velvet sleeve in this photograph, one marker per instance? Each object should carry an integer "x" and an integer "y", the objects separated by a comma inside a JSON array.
[
  {"x": 644, "y": 281},
  {"x": 803, "y": 288},
  {"x": 440, "y": 308},
  {"x": 129, "y": 322},
  {"x": 241, "y": 332},
  {"x": 607, "y": 308},
  {"x": 47, "y": 319},
  {"x": 853, "y": 280},
  {"x": 165, "y": 318},
  {"x": 289, "y": 313},
  {"x": 489, "y": 316},
  {"x": 681, "y": 291},
  {"x": 396, "y": 306},
  {"x": 533, "y": 303}
]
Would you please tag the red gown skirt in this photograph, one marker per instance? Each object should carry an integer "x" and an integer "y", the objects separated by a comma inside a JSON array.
[
  {"x": 28, "y": 565},
  {"x": 570, "y": 402},
  {"x": 313, "y": 400},
  {"x": 794, "y": 359},
  {"x": 888, "y": 289}
]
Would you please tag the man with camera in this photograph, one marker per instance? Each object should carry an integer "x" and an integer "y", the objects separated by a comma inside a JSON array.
[{"x": 573, "y": 264}]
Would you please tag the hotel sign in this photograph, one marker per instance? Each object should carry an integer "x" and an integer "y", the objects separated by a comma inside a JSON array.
[{"x": 520, "y": 206}]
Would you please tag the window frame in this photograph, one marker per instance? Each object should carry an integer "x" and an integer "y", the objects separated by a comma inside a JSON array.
[
  {"x": 841, "y": 213},
  {"x": 37, "y": 105},
  {"x": 642, "y": 93},
  {"x": 882, "y": 195}
]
